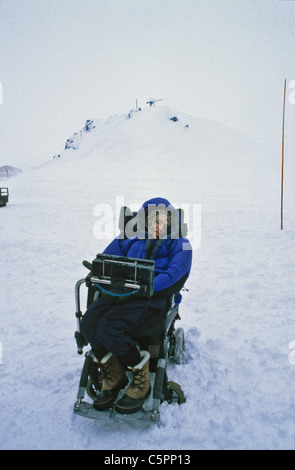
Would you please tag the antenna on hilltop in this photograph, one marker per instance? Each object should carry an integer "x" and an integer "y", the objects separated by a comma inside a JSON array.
[{"x": 152, "y": 102}]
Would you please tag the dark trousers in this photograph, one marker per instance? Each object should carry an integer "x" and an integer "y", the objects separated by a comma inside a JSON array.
[{"x": 107, "y": 326}]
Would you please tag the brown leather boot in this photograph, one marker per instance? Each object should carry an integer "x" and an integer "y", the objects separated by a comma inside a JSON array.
[
  {"x": 113, "y": 379},
  {"x": 139, "y": 389}
]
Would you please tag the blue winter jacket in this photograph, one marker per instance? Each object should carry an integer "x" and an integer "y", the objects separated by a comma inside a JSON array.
[{"x": 172, "y": 256}]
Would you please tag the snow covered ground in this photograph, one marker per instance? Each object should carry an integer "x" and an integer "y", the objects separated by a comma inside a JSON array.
[{"x": 238, "y": 313}]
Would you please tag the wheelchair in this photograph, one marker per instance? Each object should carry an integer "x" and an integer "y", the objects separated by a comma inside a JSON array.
[{"x": 124, "y": 276}]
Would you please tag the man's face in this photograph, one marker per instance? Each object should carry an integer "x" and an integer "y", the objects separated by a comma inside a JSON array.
[{"x": 158, "y": 226}]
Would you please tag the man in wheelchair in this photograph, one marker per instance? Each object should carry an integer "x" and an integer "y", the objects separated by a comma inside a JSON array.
[{"x": 109, "y": 321}]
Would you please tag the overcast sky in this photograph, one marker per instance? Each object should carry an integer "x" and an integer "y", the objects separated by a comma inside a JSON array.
[{"x": 65, "y": 61}]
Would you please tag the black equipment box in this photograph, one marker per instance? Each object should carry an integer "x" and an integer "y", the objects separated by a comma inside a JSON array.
[
  {"x": 3, "y": 196},
  {"x": 121, "y": 275}
]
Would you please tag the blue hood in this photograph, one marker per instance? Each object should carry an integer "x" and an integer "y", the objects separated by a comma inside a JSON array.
[{"x": 157, "y": 202}]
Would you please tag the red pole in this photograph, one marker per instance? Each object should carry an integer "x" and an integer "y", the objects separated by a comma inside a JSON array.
[{"x": 283, "y": 143}]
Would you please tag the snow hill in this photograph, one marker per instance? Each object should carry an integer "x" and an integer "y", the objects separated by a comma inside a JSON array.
[{"x": 238, "y": 314}]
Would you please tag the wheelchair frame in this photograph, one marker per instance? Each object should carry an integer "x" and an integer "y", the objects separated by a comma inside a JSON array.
[{"x": 162, "y": 389}]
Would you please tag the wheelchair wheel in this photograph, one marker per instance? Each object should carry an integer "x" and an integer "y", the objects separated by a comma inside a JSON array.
[
  {"x": 176, "y": 394},
  {"x": 178, "y": 353},
  {"x": 92, "y": 390},
  {"x": 94, "y": 381}
]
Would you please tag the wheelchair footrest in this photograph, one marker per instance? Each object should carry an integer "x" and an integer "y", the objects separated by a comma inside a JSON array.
[
  {"x": 86, "y": 410},
  {"x": 146, "y": 415}
]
